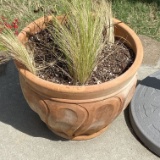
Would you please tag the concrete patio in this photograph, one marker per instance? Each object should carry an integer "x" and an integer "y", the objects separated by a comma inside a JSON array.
[{"x": 23, "y": 136}]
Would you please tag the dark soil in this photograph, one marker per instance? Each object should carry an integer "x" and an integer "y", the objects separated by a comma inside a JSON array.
[{"x": 114, "y": 60}]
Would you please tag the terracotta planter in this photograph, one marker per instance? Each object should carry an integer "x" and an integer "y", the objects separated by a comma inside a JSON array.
[{"x": 80, "y": 112}]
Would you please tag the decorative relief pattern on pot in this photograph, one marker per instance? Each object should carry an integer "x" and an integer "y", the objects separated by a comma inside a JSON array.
[
  {"x": 71, "y": 120},
  {"x": 85, "y": 119},
  {"x": 101, "y": 114},
  {"x": 65, "y": 118}
]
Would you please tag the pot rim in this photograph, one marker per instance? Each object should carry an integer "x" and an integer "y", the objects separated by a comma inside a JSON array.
[{"x": 87, "y": 88}]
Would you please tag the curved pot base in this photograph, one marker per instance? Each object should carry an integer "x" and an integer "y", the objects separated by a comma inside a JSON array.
[
  {"x": 86, "y": 137},
  {"x": 82, "y": 137}
]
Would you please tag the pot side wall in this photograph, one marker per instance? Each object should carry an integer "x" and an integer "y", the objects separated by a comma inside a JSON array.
[{"x": 81, "y": 112}]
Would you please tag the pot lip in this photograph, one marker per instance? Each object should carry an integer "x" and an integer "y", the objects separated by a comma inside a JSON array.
[{"x": 127, "y": 75}]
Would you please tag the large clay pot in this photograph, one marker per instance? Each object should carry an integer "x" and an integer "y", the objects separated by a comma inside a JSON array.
[{"x": 80, "y": 112}]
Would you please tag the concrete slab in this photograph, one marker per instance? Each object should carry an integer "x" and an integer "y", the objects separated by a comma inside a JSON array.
[
  {"x": 23, "y": 136},
  {"x": 151, "y": 50}
]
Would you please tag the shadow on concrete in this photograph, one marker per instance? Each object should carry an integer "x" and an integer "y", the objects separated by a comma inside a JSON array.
[
  {"x": 128, "y": 123},
  {"x": 152, "y": 82},
  {"x": 15, "y": 111}
]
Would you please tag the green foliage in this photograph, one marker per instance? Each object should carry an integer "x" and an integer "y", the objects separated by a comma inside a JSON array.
[
  {"x": 88, "y": 28},
  {"x": 25, "y": 11},
  {"x": 16, "y": 50},
  {"x": 81, "y": 38},
  {"x": 141, "y": 15}
]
